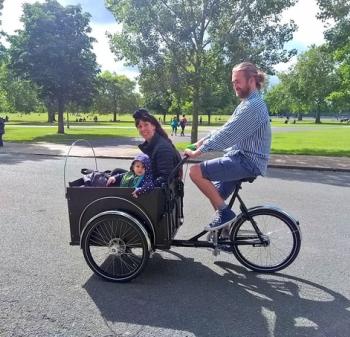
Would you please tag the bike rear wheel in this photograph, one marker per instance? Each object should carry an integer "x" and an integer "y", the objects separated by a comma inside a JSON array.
[{"x": 280, "y": 245}]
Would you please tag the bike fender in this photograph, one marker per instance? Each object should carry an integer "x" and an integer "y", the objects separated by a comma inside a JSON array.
[{"x": 271, "y": 207}]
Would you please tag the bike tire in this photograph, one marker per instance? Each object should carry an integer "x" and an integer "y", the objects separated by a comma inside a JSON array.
[
  {"x": 115, "y": 247},
  {"x": 283, "y": 235}
]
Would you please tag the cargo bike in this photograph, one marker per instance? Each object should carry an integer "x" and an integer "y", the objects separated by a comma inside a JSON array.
[{"x": 118, "y": 233}]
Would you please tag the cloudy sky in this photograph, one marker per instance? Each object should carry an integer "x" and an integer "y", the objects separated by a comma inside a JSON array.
[{"x": 304, "y": 14}]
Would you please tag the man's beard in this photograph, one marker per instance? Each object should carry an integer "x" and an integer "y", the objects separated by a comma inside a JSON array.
[{"x": 244, "y": 92}]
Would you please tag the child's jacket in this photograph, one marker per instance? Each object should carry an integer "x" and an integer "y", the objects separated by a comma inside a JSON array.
[{"x": 142, "y": 184}]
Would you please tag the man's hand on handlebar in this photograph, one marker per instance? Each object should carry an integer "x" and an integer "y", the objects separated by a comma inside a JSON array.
[{"x": 192, "y": 154}]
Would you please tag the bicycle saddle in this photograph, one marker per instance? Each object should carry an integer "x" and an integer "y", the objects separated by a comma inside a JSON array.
[{"x": 249, "y": 179}]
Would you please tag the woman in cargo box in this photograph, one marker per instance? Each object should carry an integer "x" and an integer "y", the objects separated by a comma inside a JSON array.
[{"x": 157, "y": 145}]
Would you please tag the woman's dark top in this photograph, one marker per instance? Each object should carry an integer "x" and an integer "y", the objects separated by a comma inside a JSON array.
[{"x": 164, "y": 157}]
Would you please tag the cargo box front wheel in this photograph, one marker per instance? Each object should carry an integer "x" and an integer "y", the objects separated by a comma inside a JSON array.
[{"x": 115, "y": 245}]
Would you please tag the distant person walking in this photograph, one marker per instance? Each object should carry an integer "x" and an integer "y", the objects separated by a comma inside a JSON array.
[
  {"x": 174, "y": 124},
  {"x": 183, "y": 123},
  {"x": 2, "y": 130}
]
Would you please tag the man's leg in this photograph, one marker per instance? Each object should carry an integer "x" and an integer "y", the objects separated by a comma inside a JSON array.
[
  {"x": 206, "y": 186},
  {"x": 226, "y": 170}
]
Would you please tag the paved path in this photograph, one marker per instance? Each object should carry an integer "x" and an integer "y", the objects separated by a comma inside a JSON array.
[{"x": 127, "y": 148}]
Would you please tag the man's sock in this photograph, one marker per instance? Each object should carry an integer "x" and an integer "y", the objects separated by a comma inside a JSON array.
[{"x": 222, "y": 206}]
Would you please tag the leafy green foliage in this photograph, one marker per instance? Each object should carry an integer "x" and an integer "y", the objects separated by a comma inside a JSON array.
[
  {"x": 116, "y": 94},
  {"x": 279, "y": 100},
  {"x": 54, "y": 51},
  {"x": 339, "y": 12},
  {"x": 305, "y": 87},
  {"x": 17, "y": 95},
  {"x": 2, "y": 48},
  {"x": 183, "y": 37},
  {"x": 338, "y": 38}
]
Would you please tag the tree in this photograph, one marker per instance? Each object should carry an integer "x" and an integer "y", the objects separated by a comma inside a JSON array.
[
  {"x": 1, "y": 7},
  {"x": 216, "y": 93},
  {"x": 278, "y": 100},
  {"x": 188, "y": 33},
  {"x": 54, "y": 51},
  {"x": 162, "y": 88},
  {"x": 339, "y": 45},
  {"x": 2, "y": 47},
  {"x": 315, "y": 74},
  {"x": 21, "y": 95},
  {"x": 293, "y": 93},
  {"x": 306, "y": 86},
  {"x": 339, "y": 12},
  {"x": 116, "y": 94}
]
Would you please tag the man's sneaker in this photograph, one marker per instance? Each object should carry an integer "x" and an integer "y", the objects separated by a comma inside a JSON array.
[{"x": 224, "y": 218}]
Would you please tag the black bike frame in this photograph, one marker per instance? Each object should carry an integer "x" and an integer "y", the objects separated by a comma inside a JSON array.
[{"x": 247, "y": 240}]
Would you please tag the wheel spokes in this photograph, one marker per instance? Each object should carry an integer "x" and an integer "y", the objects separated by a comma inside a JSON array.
[
  {"x": 116, "y": 247},
  {"x": 280, "y": 241}
]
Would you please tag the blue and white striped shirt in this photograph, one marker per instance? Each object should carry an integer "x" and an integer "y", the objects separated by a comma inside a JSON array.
[{"x": 247, "y": 131}]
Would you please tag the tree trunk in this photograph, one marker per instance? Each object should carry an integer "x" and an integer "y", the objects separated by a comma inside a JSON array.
[
  {"x": 50, "y": 115},
  {"x": 50, "y": 106},
  {"x": 209, "y": 117},
  {"x": 195, "y": 112},
  {"x": 114, "y": 116},
  {"x": 300, "y": 116},
  {"x": 194, "y": 131},
  {"x": 318, "y": 117},
  {"x": 60, "y": 115}
]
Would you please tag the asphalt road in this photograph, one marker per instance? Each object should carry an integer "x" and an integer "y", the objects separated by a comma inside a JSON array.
[{"x": 47, "y": 289}]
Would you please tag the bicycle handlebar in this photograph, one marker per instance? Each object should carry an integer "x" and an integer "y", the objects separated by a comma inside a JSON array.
[{"x": 176, "y": 168}]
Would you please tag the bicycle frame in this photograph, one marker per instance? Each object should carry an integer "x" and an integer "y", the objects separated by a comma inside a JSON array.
[{"x": 247, "y": 240}]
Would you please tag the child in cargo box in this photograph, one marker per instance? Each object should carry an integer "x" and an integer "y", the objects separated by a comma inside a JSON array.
[{"x": 139, "y": 176}]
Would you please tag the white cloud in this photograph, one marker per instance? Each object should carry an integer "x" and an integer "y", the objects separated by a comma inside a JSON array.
[
  {"x": 13, "y": 10},
  {"x": 310, "y": 29},
  {"x": 105, "y": 58},
  {"x": 11, "y": 14}
]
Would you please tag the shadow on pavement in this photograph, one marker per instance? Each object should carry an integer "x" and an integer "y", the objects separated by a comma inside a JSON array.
[
  {"x": 190, "y": 299},
  {"x": 17, "y": 158},
  {"x": 320, "y": 177}
]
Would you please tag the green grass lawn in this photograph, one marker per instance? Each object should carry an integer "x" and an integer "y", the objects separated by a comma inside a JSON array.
[
  {"x": 126, "y": 119},
  {"x": 49, "y": 134},
  {"x": 322, "y": 141},
  {"x": 329, "y": 138}
]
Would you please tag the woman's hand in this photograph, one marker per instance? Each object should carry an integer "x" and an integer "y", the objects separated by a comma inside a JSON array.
[
  {"x": 134, "y": 194},
  {"x": 111, "y": 181}
]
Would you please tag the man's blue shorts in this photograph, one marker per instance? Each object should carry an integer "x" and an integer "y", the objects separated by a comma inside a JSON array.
[{"x": 224, "y": 172}]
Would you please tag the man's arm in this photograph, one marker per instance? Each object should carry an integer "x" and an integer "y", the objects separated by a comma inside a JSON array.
[{"x": 241, "y": 126}]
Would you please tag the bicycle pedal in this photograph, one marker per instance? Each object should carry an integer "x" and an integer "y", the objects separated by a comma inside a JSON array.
[
  {"x": 225, "y": 233},
  {"x": 210, "y": 237},
  {"x": 225, "y": 248}
]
